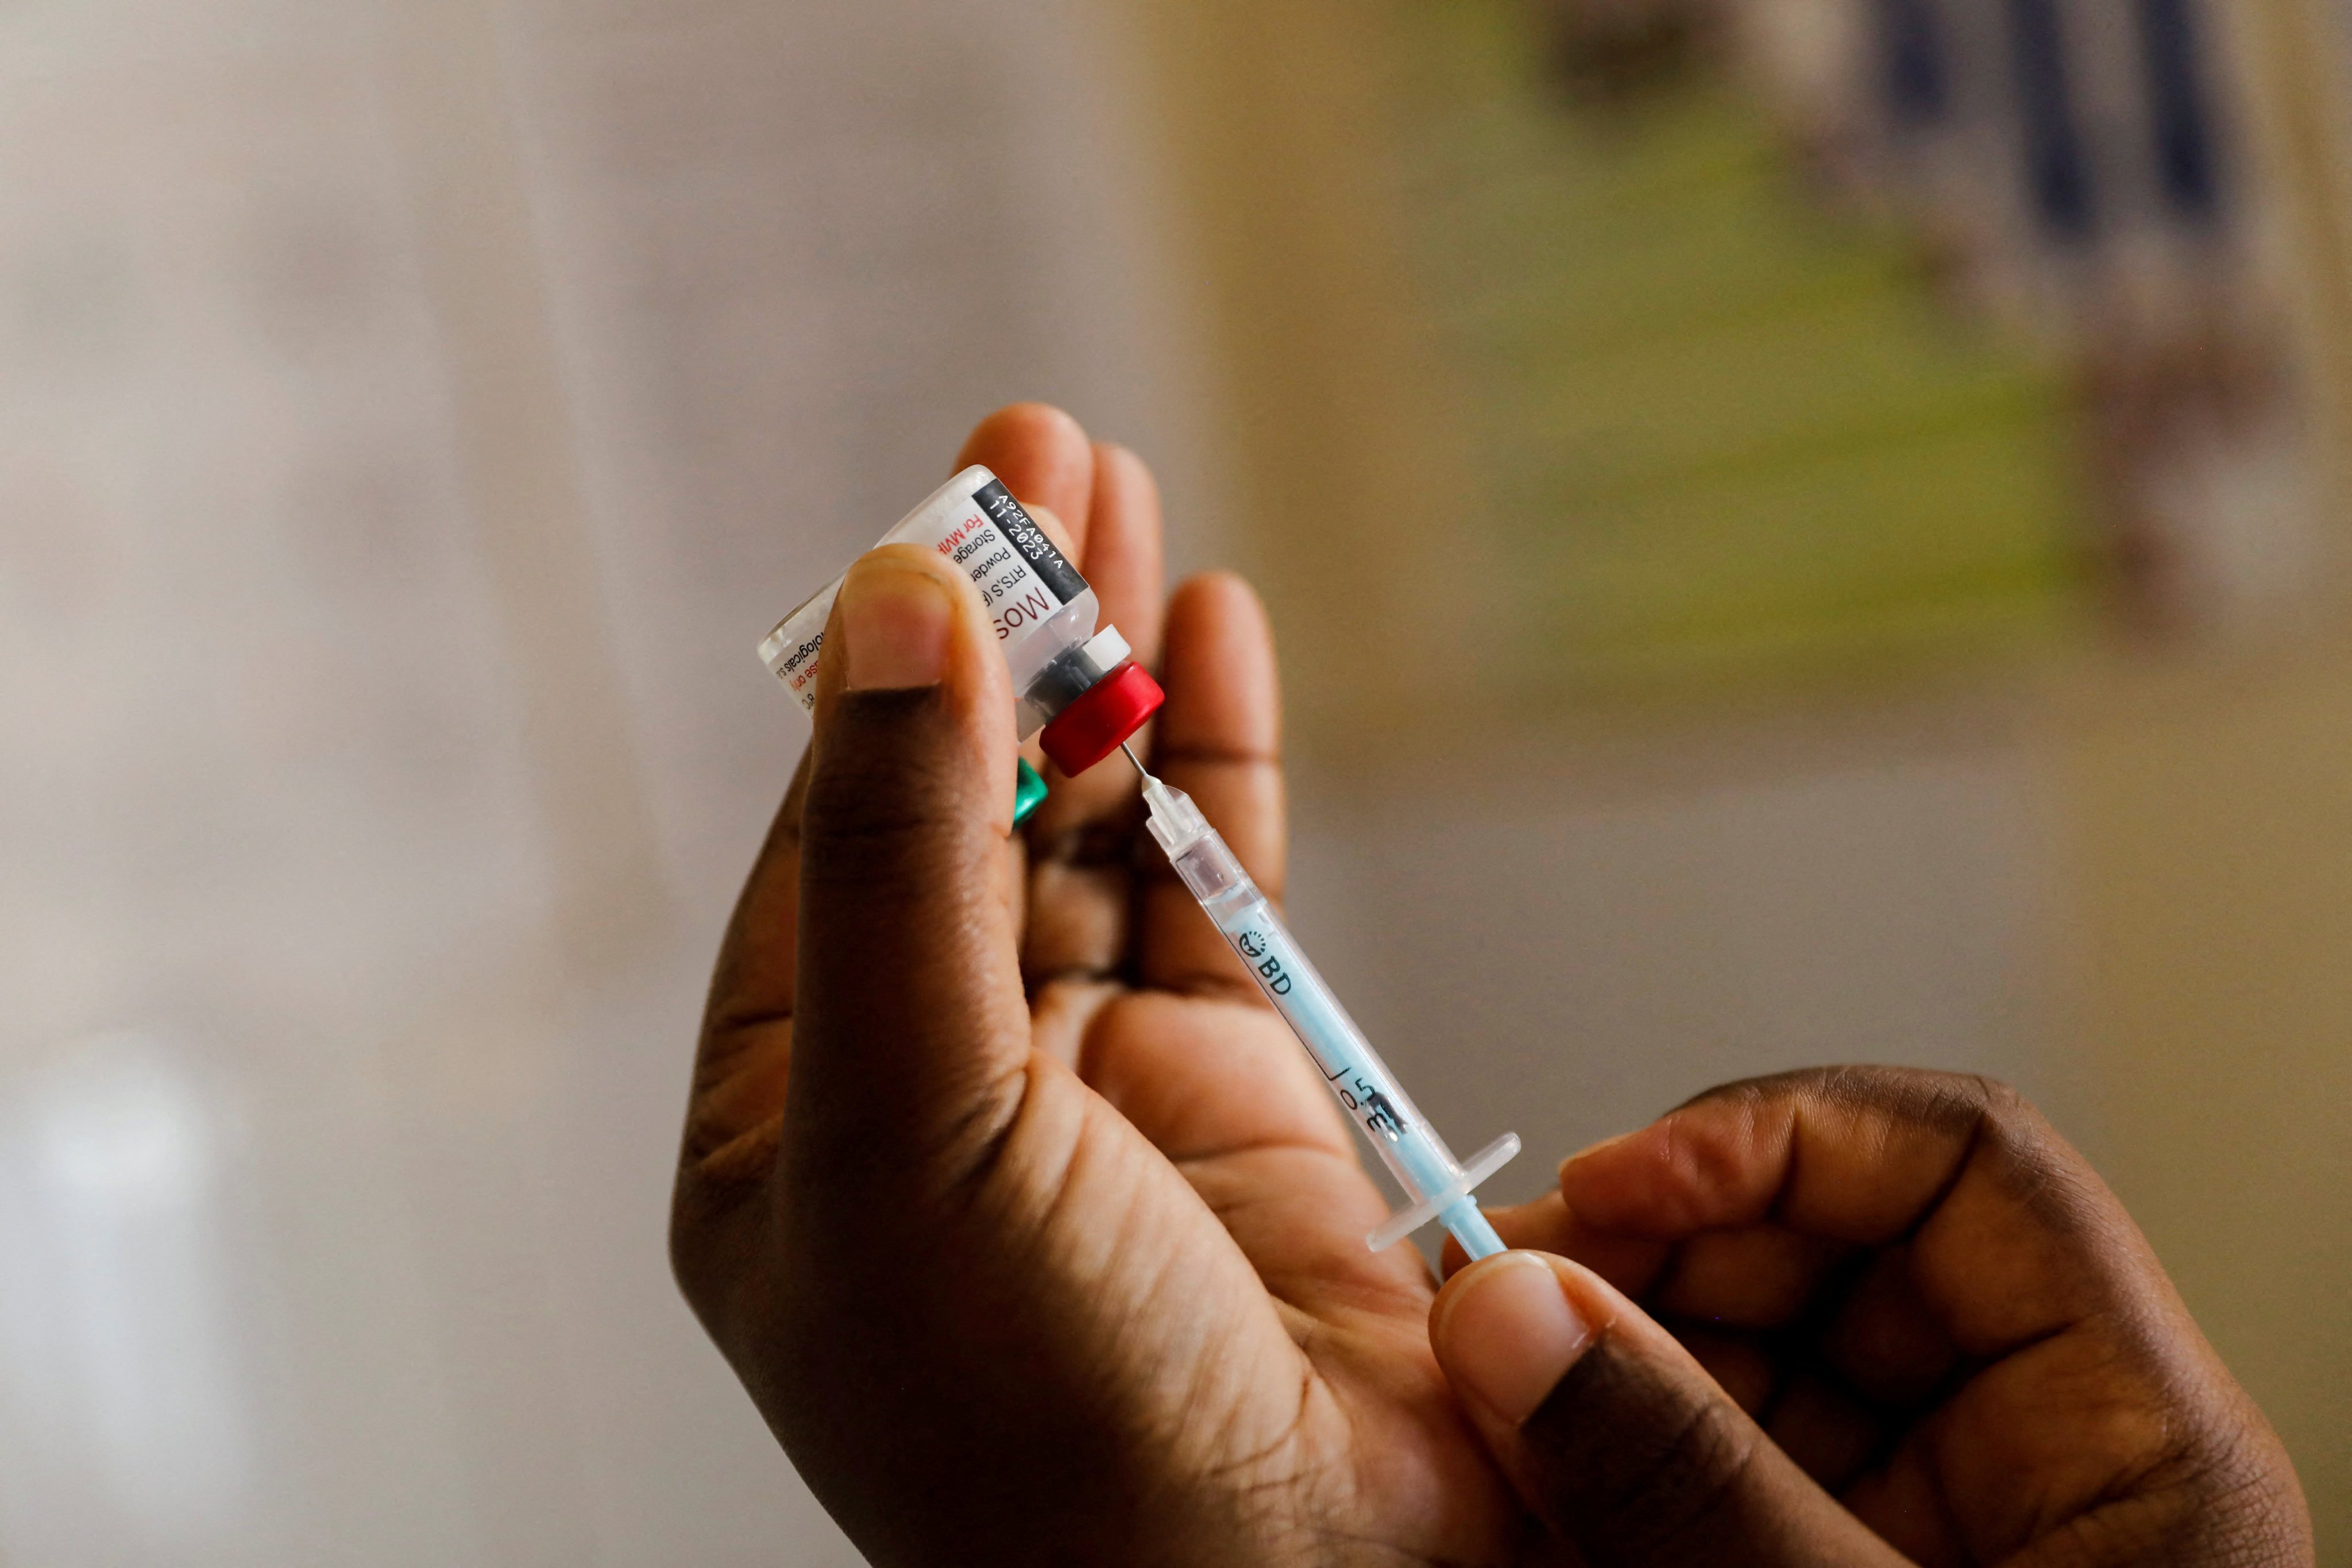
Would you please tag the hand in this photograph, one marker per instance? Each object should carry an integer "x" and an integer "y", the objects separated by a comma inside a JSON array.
[
  {"x": 1027, "y": 1226},
  {"x": 1908, "y": 1323}
]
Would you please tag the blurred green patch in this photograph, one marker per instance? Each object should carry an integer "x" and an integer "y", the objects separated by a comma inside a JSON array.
[{"x": 1724, "y": 432}]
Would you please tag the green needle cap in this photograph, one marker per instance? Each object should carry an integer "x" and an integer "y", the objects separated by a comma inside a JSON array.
[{"x": 1028, "y": 791}]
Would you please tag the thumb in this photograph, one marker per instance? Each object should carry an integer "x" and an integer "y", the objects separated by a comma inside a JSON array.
[
  {"x": 910, "y": 1032},
  {"x": 1616, "y": 1438}
]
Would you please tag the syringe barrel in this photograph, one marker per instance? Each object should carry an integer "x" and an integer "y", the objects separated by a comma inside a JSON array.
[{"x": 1407, "y": 1145}]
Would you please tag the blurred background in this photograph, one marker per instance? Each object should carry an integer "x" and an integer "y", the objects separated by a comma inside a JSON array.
[{"x": 1803, "y": 531}]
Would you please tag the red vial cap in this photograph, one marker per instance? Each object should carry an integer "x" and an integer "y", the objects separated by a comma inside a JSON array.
[{"x": 1105, "y": 713}]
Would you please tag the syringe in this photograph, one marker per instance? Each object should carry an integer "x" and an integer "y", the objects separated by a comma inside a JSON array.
[{"x": 1437, "y": 1186}]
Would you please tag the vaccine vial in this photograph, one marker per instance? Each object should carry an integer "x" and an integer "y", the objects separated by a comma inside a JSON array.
[{"x": 1075, "y": 683}]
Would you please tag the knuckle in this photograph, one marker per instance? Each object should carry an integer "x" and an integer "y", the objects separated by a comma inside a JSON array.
[
  {"x": 1700, "y": 1463},
  {"x": 1942, "y": 1101},
  {"x": 867, "y": 833},
  {"x": 1951, "y": 1103}
]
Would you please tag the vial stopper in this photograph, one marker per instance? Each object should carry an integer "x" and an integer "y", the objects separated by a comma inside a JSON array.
[{"x": 1104, "y": 714}]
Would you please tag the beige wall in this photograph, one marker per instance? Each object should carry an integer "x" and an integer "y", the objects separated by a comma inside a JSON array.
[{"x": 2209, "y": 863}]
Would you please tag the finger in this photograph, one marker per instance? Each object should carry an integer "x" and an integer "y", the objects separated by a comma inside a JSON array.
[
  {"x": 1219, "y": 741},
  {"x": 910, "y": 1033},
  {"x": 1546, "y": 1224},
  {"x": 1846, "y": 1153},
  {"x": 1082, "y": 885},
  {"x": 1045, "y": 459},
  {"x": 1121, "y": 556},
  {"x": 1751, "y": 1277},
  {"x": 1738, "y": 1362},
  {"x": 1885, "y": 1343},
  {"x": 1616, "y": 1438},
  {"x": 1743, "y": 1369},
  {"x": 1826, "y": 1432},
  {"x": 2003, "y": 1217}
]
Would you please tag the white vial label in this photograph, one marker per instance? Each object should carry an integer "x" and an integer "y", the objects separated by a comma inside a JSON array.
[{"x": 974, "y": 522}]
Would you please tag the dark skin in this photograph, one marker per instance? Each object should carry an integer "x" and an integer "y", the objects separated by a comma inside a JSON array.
[
  {"x": 1035, "y": 1240},
  {"x": 1901, "y": 1291}
]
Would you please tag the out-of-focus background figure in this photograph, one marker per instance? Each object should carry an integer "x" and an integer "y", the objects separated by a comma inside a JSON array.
[{"x": 1805, "y": 529}]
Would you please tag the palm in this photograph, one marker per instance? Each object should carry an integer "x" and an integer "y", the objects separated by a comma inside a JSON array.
[{"x": 1277, "y": 1353}]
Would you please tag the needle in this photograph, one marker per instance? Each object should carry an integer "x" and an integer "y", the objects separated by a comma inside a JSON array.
[{"x": 1136, "y": 760}]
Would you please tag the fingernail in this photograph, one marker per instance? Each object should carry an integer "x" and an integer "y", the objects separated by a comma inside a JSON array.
[
  {"x": 1511, "y": 1335},
  {"x": 893, "y": 623}
]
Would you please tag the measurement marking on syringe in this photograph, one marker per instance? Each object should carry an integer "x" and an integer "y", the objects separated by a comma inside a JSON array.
[
  {"x": 1359, "y": 1095},
  {"x": 1379, "y": 1113}
]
